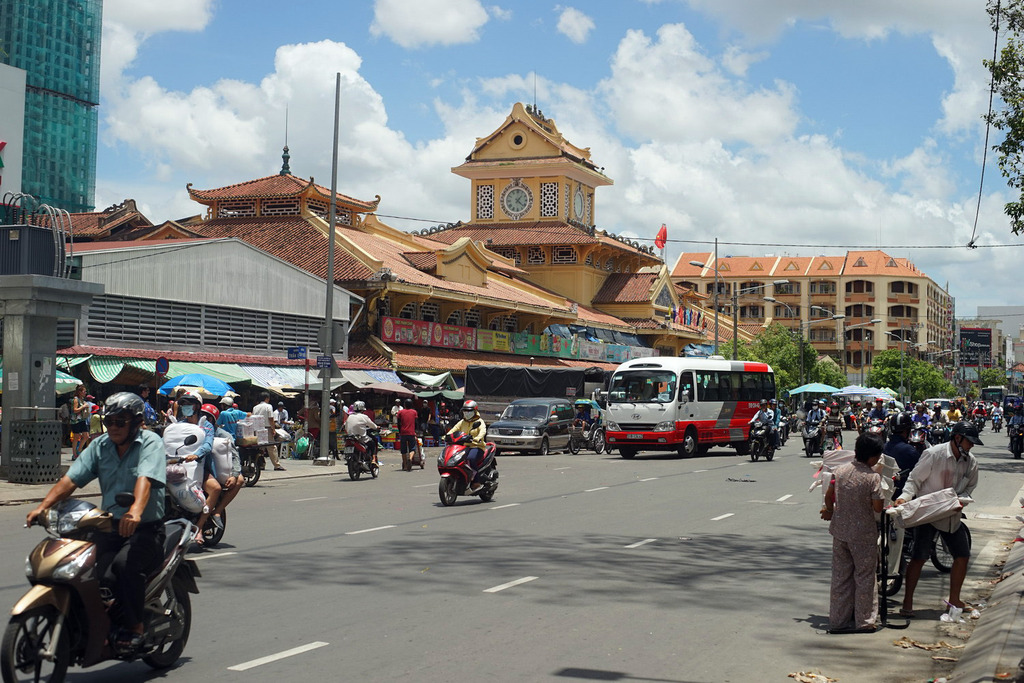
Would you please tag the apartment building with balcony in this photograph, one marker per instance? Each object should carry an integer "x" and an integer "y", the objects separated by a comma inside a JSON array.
[{"x": 886, "y": 302}]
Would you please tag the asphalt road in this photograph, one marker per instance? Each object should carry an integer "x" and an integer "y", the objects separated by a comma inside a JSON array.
[{"x": 583, "y": 568}]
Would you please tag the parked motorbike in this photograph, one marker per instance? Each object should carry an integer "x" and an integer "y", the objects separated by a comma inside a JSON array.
[
  {"x": 1016, "y": 434},
  {"x": 997, "y": 423},
  {"x": 812, "y": 435},
  {"x": 64, "y": 619},
  {"x": 359, "y": 456},
  {"x": 762, "y": 441},
  {"x": 457, "y": 474},
  {"x": 581, "y": 436}
]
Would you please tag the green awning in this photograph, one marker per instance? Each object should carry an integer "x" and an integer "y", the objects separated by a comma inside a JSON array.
[
  {"x": 442, "y": 381},
  {"x": 105, "y": 369}
]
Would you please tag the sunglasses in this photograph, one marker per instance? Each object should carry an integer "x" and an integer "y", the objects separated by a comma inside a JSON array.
[{"x": 119, "y": 422}]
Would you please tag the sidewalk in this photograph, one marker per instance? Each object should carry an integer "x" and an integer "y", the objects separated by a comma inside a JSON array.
[{"x": 17, "y": 494}]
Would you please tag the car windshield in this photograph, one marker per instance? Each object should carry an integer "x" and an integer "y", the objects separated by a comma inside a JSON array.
[
  {"x": 525, "y": 411},
  {"x": 642, "y": 386}
]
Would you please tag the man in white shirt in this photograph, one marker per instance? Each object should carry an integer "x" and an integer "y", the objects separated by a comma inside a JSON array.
[
  {"x": 267, "y": 411},
  {"x": 946, "y": 465}
]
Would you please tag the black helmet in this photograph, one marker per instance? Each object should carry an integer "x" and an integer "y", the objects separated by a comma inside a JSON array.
[
  {"x": 124, "y": 403},
  {"x": 968, "y": 431},
  {"x": 901, "y": 421}
]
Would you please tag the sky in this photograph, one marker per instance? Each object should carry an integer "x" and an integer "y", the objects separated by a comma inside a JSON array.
[{"x": 786, "y": 127}]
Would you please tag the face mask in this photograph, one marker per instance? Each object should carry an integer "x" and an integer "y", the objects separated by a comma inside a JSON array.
[
  {"x": 187, "y": 410},
  {"x": 467, "y": 414}
]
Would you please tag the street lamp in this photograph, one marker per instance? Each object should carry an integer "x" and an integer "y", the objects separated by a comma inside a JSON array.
[
  {"x": 799, "y": 332},
  {"x": 873, "y": 321},
  {"x": 832, "y": 316},
  {"x": 903, "y": 346}
]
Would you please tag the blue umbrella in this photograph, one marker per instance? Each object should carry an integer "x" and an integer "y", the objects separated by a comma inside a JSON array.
[
  {"x": 813, "y": 388},
  {"x": 197, "y": 380}
]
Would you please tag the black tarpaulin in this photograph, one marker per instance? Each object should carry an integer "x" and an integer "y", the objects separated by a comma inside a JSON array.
[{"x": 527, "y": 382}]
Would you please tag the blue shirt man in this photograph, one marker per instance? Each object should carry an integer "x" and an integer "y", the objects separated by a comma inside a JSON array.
[
  {"x": 229, "y": 416},
  {"x": 145, "y": 458}
]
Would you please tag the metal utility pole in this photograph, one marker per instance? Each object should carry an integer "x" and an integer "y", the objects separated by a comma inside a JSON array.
[
  {"x": 325, "y": 392},
  {"x": 716, "y": 296}
]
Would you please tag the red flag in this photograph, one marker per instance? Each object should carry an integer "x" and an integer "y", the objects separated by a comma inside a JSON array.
[{"x": 662, "y": 237}]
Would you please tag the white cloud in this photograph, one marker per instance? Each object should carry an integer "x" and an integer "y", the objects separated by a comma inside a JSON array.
[
  {"x": 420, "y": 23},
  {"x": 737, "y": 61},
  {"x": 669, "y": 90},
  {"x": 574, "y": 24}
]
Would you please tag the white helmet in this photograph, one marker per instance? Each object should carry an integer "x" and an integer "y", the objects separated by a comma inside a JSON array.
[{"x": 359, "y": 406}]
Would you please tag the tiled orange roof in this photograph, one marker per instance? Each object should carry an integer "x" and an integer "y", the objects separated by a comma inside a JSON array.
[
  {"x": 595, "y": 318},
  {"x": 826, "y": 266},
  {"x": 274, "y": 186},
  {"x": 526, "y": 233},
  {"x": 871, "y": 263},
  {"x": 758, "y": 267},
  {"x": 421, "y": 260},
  {"x": 147, "y": 354},
  {"x": 431, "y": 359},
  {"x": 792, "y": 266},
  {"x": 292, "y": 239},
  {"x": 626, "y": 288},
  {"x": 683, "y": 267},
  {"x": 98, "y": 224},
  {"x": 362, "y": 352}
]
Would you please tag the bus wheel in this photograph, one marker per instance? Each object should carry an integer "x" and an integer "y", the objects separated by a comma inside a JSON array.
[
  {"x": 689, "y": 447},
  {"x": 627, "y": 453},
  {"x": 742, "y": 447}
]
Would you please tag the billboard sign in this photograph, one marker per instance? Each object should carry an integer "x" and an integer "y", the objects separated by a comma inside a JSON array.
[{"x": 975, "y": 346}]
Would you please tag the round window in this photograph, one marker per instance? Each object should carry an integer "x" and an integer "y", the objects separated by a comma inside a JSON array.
[{"x": 517, "y": 139}]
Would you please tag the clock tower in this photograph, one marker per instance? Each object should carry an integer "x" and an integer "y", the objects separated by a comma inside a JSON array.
[{"x": 525, "y": 171}]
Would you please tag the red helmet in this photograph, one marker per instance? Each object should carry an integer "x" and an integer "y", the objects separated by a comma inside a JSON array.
[{"x": 210, "y": 410}]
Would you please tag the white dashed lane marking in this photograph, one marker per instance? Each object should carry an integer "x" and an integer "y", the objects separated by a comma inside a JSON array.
[
  {"x": 273, "y": 658},
  {"x": 721, "y": 517},
  {"x": 640, "y": 543},
  {"x": 366, "y": 531},
  {"x": 510, "y": 584}
]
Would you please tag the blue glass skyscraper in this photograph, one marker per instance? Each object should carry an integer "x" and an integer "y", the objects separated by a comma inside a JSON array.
[{"x": 57, "y": 42}]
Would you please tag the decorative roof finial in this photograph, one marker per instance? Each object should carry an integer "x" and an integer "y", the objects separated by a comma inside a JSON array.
[{"x": 285, "y": 170}]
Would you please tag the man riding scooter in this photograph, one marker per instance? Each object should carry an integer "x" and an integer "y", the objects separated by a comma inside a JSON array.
[{"x": 472, "y": 424}]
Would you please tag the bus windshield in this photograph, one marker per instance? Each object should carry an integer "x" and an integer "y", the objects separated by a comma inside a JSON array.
[{"x": 643, "y": 386}]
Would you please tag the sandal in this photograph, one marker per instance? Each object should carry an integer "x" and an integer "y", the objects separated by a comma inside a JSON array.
[
  {"x": 126, "y": 641},
  {"x": 907, "y": 613}
]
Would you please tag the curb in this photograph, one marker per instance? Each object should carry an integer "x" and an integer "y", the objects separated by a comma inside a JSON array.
[{"x": 994, "y": 649}]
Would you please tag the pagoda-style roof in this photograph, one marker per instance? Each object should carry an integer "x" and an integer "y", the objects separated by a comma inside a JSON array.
[
  {"x": 108, "y": 223},
  {"x": 278, "y": 186},
  {"x": 531, "y": 233},
  {"x": 626, "y": 288}
]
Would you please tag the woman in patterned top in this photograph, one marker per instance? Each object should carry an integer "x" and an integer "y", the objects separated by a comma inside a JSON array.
[{"x": 853, "y": 501}]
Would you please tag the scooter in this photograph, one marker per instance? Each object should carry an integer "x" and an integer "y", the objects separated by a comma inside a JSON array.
[
  {"x": 184, "y": 497},
  {"x": 1016, "y": 434},
  {"x": 762, "y": 441},
  {"x": 919, "y": 438},
  {"x": 812, "y": 435},
  {"x": 979, "y": 422},
  {"x": 833, "y": 436},
  {"x": 997, "y": 423},
  {"x": 64, "y": 619},
  {"x": 457, "y": 474},
  {"x": 360, "y": 456}
]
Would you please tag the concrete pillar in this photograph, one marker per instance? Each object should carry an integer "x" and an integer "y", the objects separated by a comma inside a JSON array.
[{"x": 30, "y": 306}]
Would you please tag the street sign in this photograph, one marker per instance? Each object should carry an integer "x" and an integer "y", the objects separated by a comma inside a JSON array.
[
  {"x": 338, "y": 338},
  {"x": 323, "y": 361},
  {"x": 297, "y": 352},
  {"x": 162, "y": 366}
]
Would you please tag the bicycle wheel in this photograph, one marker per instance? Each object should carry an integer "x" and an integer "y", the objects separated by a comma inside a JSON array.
[{"x": 941, "y": 558}]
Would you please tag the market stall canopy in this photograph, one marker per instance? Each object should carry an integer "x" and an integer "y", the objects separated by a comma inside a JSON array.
[
  {"x": 207, "y": 385},
  {"x": 442, "y": 381},
  {"x": 814, "y": 388},
  {"x": 446, "y": 394},
  {"x": 388, "y": 388}
]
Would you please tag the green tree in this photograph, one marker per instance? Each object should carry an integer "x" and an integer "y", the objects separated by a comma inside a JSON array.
[
  {"x": 827, "y": 371},
  {"x": 1007, "y": 69},
  {"x": 779, "y": 347},
  {"x": 991, "y": 377},
  {"x": 922, "y": 380}
]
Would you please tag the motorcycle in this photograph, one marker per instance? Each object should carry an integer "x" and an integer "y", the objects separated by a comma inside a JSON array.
[
  {"x": 833, "y": 436},
  {"x": 919, "y": 438},
  {"x": 785, "y": 426},
  {"x": 184, "y": 497},
  {"x": 64, "y": 619},
  {"x": 359, "y": 456},
  {"x": 997, "y": 423},
  {"x": 812, "y": 435},
  {"x": 457, "y": 474},
  {"x": 253, "y": 460},
  {"x": 581, "y": 436},
  {"x": 762, "y": 441},
  {"x": 941, "y": 433},
  {"x": 877, "y": 426},
  {"x": 1016, "y": 434},
  {"x": 979, "y": 422}
]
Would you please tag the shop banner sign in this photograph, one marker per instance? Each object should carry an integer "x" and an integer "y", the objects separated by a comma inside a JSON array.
[
  {"x": 493, "y": 340},
  {"x": 975, "y": 346},
  {"x": 402, "y": 331},
  {"x": 543, "y": 345}
]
